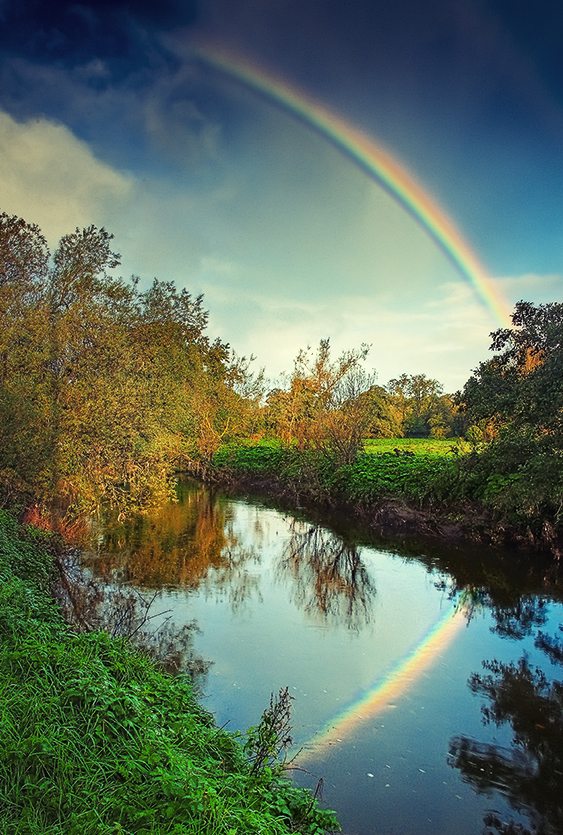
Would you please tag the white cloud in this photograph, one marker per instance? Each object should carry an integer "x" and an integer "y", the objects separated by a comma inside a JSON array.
[
  {"x": 532, "y": 287},
  {"x": 49, "y": 177},
  {"x": 444, "y": 337}
]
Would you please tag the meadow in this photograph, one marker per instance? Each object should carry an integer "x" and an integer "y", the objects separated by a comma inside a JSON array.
[{"x": 419, "y": 446}]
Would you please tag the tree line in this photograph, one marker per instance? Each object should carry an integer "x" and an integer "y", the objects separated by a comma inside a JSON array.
[
  {"x": 105, "y": 390},
  {"x": 108, "y": 390}
]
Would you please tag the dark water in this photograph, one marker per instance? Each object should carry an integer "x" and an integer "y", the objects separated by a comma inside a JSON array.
[{"x": 382, "y": 647}]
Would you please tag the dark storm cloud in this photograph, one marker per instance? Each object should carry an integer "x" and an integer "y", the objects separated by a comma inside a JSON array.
[
  {"x": 121, "y": 33},
  {"x": 101, "y": 68},
  {"x": 467, "y": 93}
]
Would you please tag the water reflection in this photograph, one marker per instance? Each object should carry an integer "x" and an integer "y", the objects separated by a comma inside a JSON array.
[
  {"x": 530, "y": 772},
  {"x": 90, "y": 604},
  {"x": 327, "y": 574},
  {"x": 515, "y": 616},
  {"x": 190, "y": 544},
  {"x": 264, "y": 587}
]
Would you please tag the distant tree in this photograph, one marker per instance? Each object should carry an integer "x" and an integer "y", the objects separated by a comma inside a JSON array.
[
  {"x": 383, "y": 419},
  {"x": 420, "y": 402}
]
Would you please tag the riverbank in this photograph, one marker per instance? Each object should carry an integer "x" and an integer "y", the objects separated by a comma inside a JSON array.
[
  {"x": 398, "y": 493},
  {"x": 96, "y": 738}
]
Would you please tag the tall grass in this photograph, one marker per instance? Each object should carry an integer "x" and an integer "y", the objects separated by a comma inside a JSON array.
[{"x": 96, "y": 739}]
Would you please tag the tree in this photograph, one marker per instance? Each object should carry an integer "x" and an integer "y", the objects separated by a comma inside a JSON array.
[
  {"x": 24, "y": 258},
  {"x": 26, "y": 414},
  {"x": 320, "y": 408},
  {"x": 522, "y": 386},
  {"x": 418, "y": 399},
  {"x": 383, "y": 418},
  {"x": 106, "y": 391}
]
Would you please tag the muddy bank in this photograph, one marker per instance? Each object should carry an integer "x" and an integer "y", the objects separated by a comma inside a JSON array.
[{"x": 397, "y": 518}]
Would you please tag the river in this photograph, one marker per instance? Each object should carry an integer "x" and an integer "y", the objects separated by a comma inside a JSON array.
[{"x": 382, "y": 647}]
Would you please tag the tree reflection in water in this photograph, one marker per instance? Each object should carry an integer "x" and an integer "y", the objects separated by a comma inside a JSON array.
[
  {"x": 190, "y": 544},
  {"x": 530, "y": 774},
  {"x": 515, "y": 616},
  {"x": 328, "y": 575},
  {"x": 92, "y": 605}
]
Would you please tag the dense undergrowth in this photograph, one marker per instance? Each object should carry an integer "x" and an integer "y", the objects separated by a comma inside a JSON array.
[
  {"x": 96, "y": 739},
  {"x": 517, "y": 484},
  {"x": 395, "y": 469}
]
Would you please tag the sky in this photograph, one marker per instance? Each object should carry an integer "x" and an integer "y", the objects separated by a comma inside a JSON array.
[{"x": 387, "y": 172}]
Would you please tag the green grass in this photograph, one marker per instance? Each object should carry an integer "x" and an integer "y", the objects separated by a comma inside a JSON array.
[
  {"x": 95, "y": 739},
  {"x": 420, "y": 446},
  {"x": 386, "y": 476},
  {"x": 515, "y": 481},
  {"x": 416, "y": 473}
]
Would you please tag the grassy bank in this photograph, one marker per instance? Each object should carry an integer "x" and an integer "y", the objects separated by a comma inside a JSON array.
[
  {"x": 96, "y": 739},
  {"x": 388, "y": 469},
  {"x": 503, "y": 493}
]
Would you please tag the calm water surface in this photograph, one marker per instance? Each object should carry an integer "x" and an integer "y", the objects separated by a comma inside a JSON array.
[{"x": 379, "y": 646}]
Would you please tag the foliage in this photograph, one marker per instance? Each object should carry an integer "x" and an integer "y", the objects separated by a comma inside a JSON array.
[
  {"x": 383, "y": 417},
  {"x": 320, "y": 408},
  {"x": 106, "y": 390},
  {"x": 515, "y": 402},
  {"x": 332, "y": 406},
  {"x": 424, "y": 409},
  {"x": 266, "y": 744},
  {"x": 96, "y": 739},
  {"x": 522, "y": 386},
  {"x": 375, "y": 477},
  {"x": 392, "y": 473}
]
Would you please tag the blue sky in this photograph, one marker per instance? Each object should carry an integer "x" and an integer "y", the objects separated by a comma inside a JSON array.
[{"x": 108, "y": 116}]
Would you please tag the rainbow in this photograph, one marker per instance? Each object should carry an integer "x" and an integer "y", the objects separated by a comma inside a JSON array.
[
  {"x": 377, "y": 162},
  {"x": 382, "y": 695}
]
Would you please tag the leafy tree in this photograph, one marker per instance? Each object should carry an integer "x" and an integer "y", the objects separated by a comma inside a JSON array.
[
  {"x": 420, "y": 402},
  {"x": 105, "y": 391},
  {"x": 515, "y": 401},
  {"x": 383, "y": 418},
  {"x": 25, "y": 414},
  {"x": 320, "y": 407},
  {"x": 522, "y": 386},
  {"x": 24, "y": 258}
]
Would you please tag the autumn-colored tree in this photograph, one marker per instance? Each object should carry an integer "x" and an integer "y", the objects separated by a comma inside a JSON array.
[
  {"x": 26, "y": 414},
  {"x": 105, "y": 390},
  {"x": 319, "y": 408}
]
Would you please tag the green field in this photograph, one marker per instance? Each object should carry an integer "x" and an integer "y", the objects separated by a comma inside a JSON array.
[
  {"x": 416, "y": 472},
  {"x": 420, "y": 446}
]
